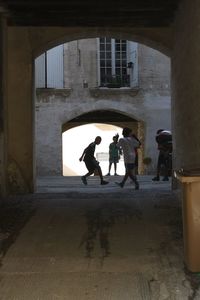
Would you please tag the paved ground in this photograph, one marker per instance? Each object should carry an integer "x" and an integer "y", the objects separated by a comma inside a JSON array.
[{"x": 75, "y": 242}]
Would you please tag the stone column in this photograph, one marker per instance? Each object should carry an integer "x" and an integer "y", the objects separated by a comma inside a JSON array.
[
  {"x": 186, "y": 85},
  {"x": 186, "y": 119},
  {"x": 3, "y": 103},
  {"x": 20, "y": 111}
]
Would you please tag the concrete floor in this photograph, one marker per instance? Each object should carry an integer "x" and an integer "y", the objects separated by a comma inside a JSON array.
[{"x": 99, "y": 243}]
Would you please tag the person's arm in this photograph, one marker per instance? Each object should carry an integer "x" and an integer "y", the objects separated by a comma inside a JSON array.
[
  {"x": 110, "y": 149},
  {"x": 119, "y": 143},
  {"x": 136, "y": 138},
  {"x": 119, "y": 146},
  {"x": 81, "y": 158},
  {"x": 136, "y": 143}
]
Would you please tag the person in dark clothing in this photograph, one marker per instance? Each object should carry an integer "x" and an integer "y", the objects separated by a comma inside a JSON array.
[
  {"x": 114, "y": 155},
  {"x": 90, "y": 161},
  {"x": 164, "y": 141}
]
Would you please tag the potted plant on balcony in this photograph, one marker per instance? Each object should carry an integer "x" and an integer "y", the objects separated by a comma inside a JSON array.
[{"x": 114, "y": 82}]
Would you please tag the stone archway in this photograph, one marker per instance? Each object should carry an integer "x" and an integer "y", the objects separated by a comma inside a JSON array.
[
  {"x": 182, "y": 38},
  {"x": 29, "y": 43},
  {"x": 160, "y": 39},
  {"x": 49, "y": 148},
  {"x": 112, "y": 118},
  {"x": 125, "y": 102}
]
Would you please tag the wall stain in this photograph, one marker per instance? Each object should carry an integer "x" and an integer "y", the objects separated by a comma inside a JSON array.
[
  {"x": 14, "y": 214},
  {"x": 99, "y": 222}
]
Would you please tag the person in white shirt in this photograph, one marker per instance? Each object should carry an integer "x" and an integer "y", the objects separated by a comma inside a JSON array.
[{"x": 128, "y": 145}]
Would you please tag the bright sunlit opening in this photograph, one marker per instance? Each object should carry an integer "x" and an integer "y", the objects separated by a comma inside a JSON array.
[{"x": 75, "y": 140}]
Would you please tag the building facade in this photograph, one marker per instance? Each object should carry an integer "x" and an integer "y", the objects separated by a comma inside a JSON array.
[{"x": 99, "y": 76}]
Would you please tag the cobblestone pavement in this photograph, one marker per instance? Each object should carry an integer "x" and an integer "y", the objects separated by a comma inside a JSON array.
[{"x": 94, "y": 242}]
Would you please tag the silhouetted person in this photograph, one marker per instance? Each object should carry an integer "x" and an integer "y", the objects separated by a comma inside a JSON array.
[
  {"x": 90, "y": 161},
  {"x": 136, "y": 153},
  {"x": 114, "y": 155},
  {"x": 128, "y": 144},
  {"x": 164, "y": 141}
]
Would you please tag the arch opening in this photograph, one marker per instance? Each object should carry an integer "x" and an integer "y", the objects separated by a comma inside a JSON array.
[
  {"x": 73, "y": 147},
  {"x": 83, "y": 129},
  {"x": 82, "y": 102},
  {"x": 157, "y": 39}
]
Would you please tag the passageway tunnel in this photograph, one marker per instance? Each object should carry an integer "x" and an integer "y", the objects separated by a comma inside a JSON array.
[{"x": 27, "y": 28}]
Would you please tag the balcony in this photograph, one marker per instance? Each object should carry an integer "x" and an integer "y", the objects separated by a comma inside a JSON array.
[{"x": 115, "y": 81}]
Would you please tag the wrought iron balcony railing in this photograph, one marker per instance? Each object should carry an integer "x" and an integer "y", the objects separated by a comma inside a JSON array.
[{"x": 117, "y": 81}]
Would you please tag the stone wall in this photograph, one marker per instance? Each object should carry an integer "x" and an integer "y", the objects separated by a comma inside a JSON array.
[
  {"x": 24, "y": 44},
  {"x": 149, "y": 104},
  {"x": 186, "y": 87},
  {"x": 20, "y": 111},
  {"x": 3, "y": 106},
  {"x": 180, "y": 41}
]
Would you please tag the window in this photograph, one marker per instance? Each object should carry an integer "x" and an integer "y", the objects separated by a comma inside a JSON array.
[
  {"x": 117, "y": 60},
  {"x": 49, "y": 69},
  {"x": 121, "y": 63},
  {"x": 113, "y": 63}
]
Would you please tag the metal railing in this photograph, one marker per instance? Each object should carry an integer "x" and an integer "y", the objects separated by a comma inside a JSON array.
[{"x": 115, "y": 81}]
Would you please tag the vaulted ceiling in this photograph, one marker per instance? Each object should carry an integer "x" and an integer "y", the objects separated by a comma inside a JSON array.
[{"x": 139, "y": 13}]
